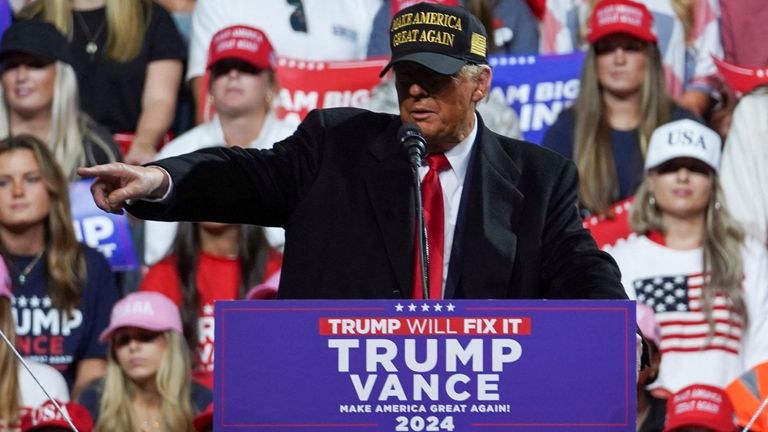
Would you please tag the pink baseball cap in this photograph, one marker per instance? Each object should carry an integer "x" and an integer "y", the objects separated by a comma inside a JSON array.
[
  {"x": 621, "y": 16},
  {"x": 147, "y": 310},
  {"x": 700, "y": 405},
  {"x": 646, "y": 320},
  {"x": 5, "y": 281},
  {"x": 248, "y": 44},
  {"x": 46, "y": 415}
]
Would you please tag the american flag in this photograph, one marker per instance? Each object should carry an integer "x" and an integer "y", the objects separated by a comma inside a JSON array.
[{"x": 684, "y": 327}]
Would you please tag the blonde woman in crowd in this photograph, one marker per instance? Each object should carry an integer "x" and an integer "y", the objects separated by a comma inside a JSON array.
[
  {"x": 148, "y": 386},
  {"x": 128, "y": 57},
  {"x": 53, "y": 276},
  {"x": 692, "y": 264},
  {"x": 39, "y": 95},
  {"x": 620, "y": 103}
]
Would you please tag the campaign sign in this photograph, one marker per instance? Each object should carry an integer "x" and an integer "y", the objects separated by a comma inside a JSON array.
[
  {"x": 106, "y": 232},
  {"x": 306, "y": 85},
  {"x": 537, "y": 87},
  {"x": 401, "y": 365}
]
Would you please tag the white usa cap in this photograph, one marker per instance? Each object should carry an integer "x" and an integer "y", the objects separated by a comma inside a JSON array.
[{"x": 684, "y": 138}]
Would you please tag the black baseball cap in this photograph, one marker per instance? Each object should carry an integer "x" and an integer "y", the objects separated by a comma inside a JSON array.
[
  {"x": 37, "y": 38},
  {"x": 441, "y": 38}
]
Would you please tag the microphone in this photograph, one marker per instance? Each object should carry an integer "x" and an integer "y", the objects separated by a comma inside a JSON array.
[{"x": 413, "y": 143}]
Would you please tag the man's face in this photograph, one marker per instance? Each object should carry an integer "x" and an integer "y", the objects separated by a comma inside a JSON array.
[{"x": 442, "y": 105}]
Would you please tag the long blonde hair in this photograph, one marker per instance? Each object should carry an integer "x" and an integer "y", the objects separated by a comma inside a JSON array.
[
  {"x": 593, "y": 150},
  {"x": 64, "y": 256},
  {"x": 126, "y": 23},
  {"x": 69, "y": 129},
  {"x": 9, "y": 379},
  {"x": 174, "y": 384},
  {"x": 723, "y": 238}
]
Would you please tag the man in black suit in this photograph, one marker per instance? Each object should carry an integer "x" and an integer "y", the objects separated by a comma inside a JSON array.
[{"x": 341, "y": 187}]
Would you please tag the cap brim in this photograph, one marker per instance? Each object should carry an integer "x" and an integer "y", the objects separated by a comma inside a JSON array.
[
  {"x": 620, "y": 28},
  {"x": 107, "y": 333},
  {"x": 440, "y": 63}
]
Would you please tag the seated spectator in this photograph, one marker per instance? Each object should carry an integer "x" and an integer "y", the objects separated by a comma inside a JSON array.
[
  {"x": 620, "y": 103},
  {"x": 39, "y": 97},
  {"x": 128, "y": 57},
  {"x": 691, "y": 263},
  {"x": 210, "y": 261},
  {"x": 300, "y": 29},
  {"x": 17, "y": 387},
  {"x": 62, "y": 288},
  {"x": 47, "y": 418},
  {"x": 242, "y": 87},
  {"x": 148, "y": 385},
  {"x": 745, "y": 163},
  {"x": 700, "y": 408},
  {"x": 688, "y": 35}
]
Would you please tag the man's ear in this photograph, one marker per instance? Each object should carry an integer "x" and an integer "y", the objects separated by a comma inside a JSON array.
[{"x": 482, "y": 84}]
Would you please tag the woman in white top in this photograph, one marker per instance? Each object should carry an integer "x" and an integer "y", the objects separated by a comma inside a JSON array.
[
  {"x": 242, "y": 87},
  {"x": 692, "y": 264}
]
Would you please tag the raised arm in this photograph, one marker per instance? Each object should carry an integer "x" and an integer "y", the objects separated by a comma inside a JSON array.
[{"x": 116, "y": 183}]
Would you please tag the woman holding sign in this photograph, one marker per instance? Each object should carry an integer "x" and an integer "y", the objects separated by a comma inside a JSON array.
[
  {"x": 622, "y": 100},
  {"x": 63, "y": 290},
  {"x": 39, "y": 96},
  {"x": 147, "y": 386},
  {"x": 691, "y": 263}
]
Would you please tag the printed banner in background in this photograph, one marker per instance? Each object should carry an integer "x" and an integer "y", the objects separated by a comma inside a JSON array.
[
  {"x": 306, "y": 85},
  {"x": 106, "y": 232},
  {"x": 388, "y": 365},
  {"x": 537, "y": 87}
]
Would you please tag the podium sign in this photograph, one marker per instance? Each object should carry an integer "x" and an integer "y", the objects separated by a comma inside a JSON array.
[{"x": 396, "y": 365}]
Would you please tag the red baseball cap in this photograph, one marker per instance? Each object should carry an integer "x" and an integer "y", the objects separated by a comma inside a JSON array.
[
  {"x": 742, "y": 79},
  {"x": 46, "y": 415},
  {"x": 248, "y": 44},
  {"x": 621, "y": 16},
  {"x": 700, "y": 405}
]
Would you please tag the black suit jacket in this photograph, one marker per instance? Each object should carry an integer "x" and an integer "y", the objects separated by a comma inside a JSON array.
[{"x": 341, "y": 186}]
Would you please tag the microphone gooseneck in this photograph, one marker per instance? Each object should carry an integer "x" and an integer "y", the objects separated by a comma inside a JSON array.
[{"x": 415, "y": 146}]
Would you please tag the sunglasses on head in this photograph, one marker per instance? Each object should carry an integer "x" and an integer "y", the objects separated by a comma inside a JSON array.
[
  {"x": 609, "y": 45},
  {"x": 143, "y": 336},
  {"x": 298, "y": 19},
  {"x": 223, "y": 67}
]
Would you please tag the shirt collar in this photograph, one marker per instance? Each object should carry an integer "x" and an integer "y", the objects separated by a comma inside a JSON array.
[{"x": 458, "y": 156}]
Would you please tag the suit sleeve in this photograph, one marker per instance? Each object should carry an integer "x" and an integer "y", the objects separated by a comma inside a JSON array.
[
  {"x": 236, "y": 185},
  {"x": 572, "y": 264}
]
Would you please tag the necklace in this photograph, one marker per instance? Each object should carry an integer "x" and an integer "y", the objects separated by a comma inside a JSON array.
[
  {"x": 91, "y": 47},
  {"x": 24, "y": 273}
]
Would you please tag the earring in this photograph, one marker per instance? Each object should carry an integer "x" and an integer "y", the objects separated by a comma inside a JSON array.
[
  {"x": 268, "y": 98},
  {"x": 718, "y": 206},
  {"x": 652, "y": 200}
]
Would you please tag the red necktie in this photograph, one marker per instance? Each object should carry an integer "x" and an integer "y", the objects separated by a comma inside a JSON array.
[{"x": 434, "y": 220}]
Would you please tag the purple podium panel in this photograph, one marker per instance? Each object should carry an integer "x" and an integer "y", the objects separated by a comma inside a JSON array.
[{"x": 389, "y": 365}]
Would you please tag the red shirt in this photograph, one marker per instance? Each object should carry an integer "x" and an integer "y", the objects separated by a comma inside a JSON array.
[{"x": 218, "y": 278}]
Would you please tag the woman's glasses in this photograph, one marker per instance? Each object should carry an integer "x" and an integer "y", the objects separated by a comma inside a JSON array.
[{"x": 124, "y": 338}]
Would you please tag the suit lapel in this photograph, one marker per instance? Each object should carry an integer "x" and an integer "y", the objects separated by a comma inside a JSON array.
[
  {"x": 487, "y": 249},
  {"x": 389, "y": 187}
]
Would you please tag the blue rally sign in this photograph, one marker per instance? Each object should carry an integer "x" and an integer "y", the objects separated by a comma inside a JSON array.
[
  {"x": 108, "y": 233},
  {"x": 387, "y": 365},
  {"x": 537, "y": 87}
]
